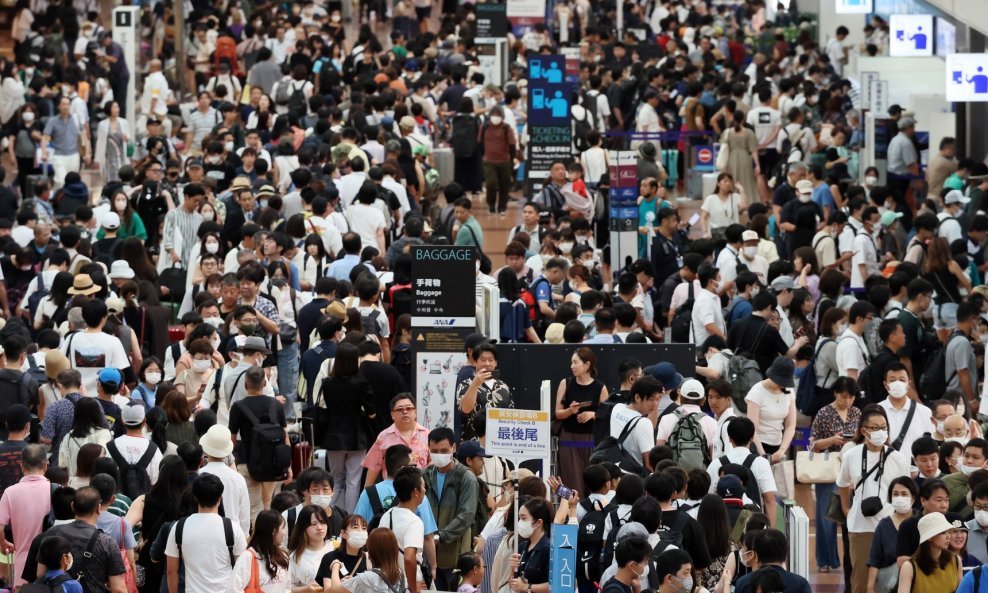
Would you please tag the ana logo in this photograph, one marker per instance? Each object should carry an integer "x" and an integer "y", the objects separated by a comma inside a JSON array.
[{"x": 444, "y": 322}]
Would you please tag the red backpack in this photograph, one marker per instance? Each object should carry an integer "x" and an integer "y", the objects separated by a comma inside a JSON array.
[
  {"x": 226, "y": 49},
  {"x": 400, "y": 298}
]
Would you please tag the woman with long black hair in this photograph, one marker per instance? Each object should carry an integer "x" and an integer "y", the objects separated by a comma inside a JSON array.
[
  {"x": 160, "y": 506},
  {"x": 346, "y": 438},
  {"x": 265, "y": 554}
]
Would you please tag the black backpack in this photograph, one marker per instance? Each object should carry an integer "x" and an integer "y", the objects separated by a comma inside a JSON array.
[
  {"x": 590, "y": 540},
  {"x": 269, "y": 456},
  {"x": 46, "y": 585},
  {"x": 40, "y": 293},
  {"x": 583, "y": 127},
  {"x": 296, "y": 101},
  {"x": 464, "y": 136},
  {"x": 368, "y": 322},
  {"x": 671, "y": 535},
  {"x": 134, "y": 478},
  {"x": 680, "y": 326},
  {"x": 10, "y": 394},
  {"x": 607, "y": 554},
  {"x": 750, "y": 483},
  {"x": 934, "y": 381},
  {"x": 611, "y": 450},
  {"x": 377, "y": 506}
]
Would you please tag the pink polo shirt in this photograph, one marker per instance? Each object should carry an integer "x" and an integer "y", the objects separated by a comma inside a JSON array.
[
  {"x": 29, "y": 501},
  {"x": 419, "y": 444}
]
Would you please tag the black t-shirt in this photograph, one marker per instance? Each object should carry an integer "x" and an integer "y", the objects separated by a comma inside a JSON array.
[
  {"x": 744, "y": 337},
  {"x": 262, "y": 407},
  {"x": 10, "y": 463},
  {"x": 782, "y": 195},
  {"x": 907, "y": 541},
  {"x": 535, "y": 561},
  {"x": 349, "y": 562},
  {"x": 804, "y": 215},
  {"x": 615, "y": 586}
]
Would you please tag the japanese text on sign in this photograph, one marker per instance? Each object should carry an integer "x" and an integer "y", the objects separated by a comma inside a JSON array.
[{"x": 517, "y": 433}]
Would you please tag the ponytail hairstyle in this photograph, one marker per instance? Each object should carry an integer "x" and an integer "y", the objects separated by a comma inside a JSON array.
[{"x": 465, "y": 564}]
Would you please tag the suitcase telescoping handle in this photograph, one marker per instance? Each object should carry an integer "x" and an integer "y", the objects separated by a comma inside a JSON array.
[{"x": 312, "y": 437}]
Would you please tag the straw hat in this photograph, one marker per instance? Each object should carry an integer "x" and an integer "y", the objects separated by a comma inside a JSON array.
[{"x": 83, "y": 284}]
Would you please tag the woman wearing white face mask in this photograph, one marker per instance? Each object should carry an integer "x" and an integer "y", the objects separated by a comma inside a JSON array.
[
  {"x": 193, "y": 381},
  {"x": 832, "y": 427},
  {"x": 131, "y": 224},
  {"x": 353, "y": 554},
  {"x": 883, "y": 571},
  {"x": 498, "y": 140},
  {"x": 867, "y": 470},
  {"x": 150, "y": 378},
  {"x": 532, "y": 526}
]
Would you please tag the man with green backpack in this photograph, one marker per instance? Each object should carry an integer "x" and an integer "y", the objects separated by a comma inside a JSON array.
[{"x": 687, "y": 429}]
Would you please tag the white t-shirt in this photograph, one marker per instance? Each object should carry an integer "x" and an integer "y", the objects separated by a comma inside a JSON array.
[
  {"x": 133, "y": 449},
  {"x": 366, "y": 221},
  {"x": 236, "y": 500},
  {"x": 760, "y": 468},
  {"x": 920, "y": 424},
  {"x": 204, "y": 552},
  {"x": 303, "y": 572},
  {"x": 865, "y": 252},
  {"x": 851, "y": 351},
  {"x": 950, "y": 227},
  {"x": 98, "y": 350},
  {"x": 722, "y": 442},
  {"x": 723, "y": 213},
  {"x": 276, "y": 583},
  {"x": 772, "y": 408},
  {"x": 641, "y": 439},
  {"x": 764, "y": 119},
  {"x": 896, "y": 465},
  {"x": 409, "y": 530},
  {"x": 706, "y": 309}
]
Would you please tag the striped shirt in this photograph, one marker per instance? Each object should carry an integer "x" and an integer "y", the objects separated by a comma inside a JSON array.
[
  {"x": 202, "y": 123},
  {"x": 187, "y": 224}
]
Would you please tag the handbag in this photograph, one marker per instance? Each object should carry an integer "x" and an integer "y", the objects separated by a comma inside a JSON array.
[
  {"x": 173, "y": 279},
  {"x": 835, "y": 511},
  {"x": 254, "y": 585},
  {"x": 785, "y": 479},
  {"x": 817, "y": 468},
  {"x": 888, "y": 579},
  {"x": 723, "y": 154}
]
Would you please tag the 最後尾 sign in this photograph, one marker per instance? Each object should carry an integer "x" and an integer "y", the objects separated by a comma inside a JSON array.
[
  {"x": 967, "y": 77},
  {"x": 911, "y": 35},
  {"x": 853, "y": 6},
  {"x": 517, "y": 433}
]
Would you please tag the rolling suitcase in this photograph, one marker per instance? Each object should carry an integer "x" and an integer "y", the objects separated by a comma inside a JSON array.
[
  {"x": 443, "y": 157},
  {"x": 302, "y": 447}
]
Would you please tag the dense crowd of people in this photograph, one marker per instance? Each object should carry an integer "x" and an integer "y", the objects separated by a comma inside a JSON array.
[{"x": 207, "y": 361}]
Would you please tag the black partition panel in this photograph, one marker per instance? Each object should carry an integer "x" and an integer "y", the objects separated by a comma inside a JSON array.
[{"x": 524, "y": 366}]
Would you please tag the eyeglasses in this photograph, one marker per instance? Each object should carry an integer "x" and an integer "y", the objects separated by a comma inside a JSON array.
[
  {"x": 154, "y": 170},
  {"x": 874, "y": 428},
  {"x": 404, "y": 409},
  {"x": 980, "y": 507}
]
